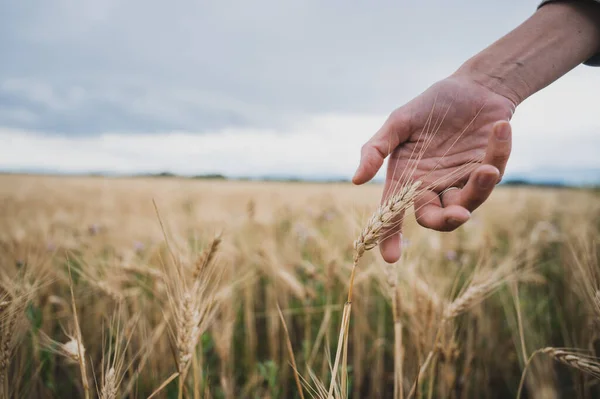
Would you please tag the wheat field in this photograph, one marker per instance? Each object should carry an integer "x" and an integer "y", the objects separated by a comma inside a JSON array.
[{"x": 182, "y": 288}]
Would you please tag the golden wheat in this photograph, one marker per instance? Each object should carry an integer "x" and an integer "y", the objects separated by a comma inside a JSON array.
[
  {"x": 385, "y": 218},
  {"x": 576, "y": 359},
  {"x": 109, "y": 386},
  {"x": 295, "y": 249},
  {"x": 587, "y": 364}
]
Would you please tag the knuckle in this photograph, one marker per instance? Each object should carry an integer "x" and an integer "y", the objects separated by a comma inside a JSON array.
[
  {"x": 423, "y": 223},
  {"x": 500, "y": 158},
  {"x": 372, "y": 152},
  {"x": 475, "y": 199},
  {"x": 370, "y": 159},
  {"x": 378, "y": 150},
  {"x": 475, "y": 202},
  {"x": 364, "y": 149},
  {"x": 397, "y": 117}
]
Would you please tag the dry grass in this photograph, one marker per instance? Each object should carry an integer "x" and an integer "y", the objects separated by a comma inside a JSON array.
[{"x": 242, "y": 291}]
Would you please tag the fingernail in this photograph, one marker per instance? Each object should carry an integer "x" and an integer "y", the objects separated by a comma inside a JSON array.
[
  {"x": 456, "y": 222},
  {"x": 453, "y": 222},
  {"x": 486, "y": 181},
  {"x": 502, "y": 132}
]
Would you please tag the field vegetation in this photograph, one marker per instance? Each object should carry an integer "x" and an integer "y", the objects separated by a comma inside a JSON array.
[{"x": 173, "y": 288}]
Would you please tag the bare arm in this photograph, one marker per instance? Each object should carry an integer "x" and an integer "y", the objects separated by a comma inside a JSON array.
[{"x": 554, "y": 40}]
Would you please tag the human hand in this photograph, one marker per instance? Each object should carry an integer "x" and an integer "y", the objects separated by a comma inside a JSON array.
[{"x": 455, "y": 134}]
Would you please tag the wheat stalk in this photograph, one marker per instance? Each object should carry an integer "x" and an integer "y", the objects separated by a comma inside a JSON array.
[
  {"x": 343, "y": 336},
  {"x": 398, "y": 348},
  {"x": 384, "y": 219},
  {"x": 469, "y": 298},
  {"x": 597, "y": 303},
  {"x": 290, "y": 350},
  {"x": 79, "y": 341}
]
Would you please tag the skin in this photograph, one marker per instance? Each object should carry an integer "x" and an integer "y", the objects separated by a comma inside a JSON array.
[{"x": 467, "y": 114}]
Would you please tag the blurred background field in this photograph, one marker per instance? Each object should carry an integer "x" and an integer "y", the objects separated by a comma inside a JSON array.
[{"x": 287, "y": 245}]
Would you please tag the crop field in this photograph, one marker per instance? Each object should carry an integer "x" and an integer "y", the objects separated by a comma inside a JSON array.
[{"x": 182, "y": 288}]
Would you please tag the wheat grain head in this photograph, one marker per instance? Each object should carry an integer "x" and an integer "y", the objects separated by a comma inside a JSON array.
[{"x": 385, "y": 218}]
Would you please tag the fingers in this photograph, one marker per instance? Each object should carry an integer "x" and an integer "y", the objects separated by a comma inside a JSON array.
[
  {"x": 390, "y": 247},
  {"x": 499, "y": 147},
  {"x": 394, "y": 131},
  {"x": 430, "y": 213},
  {"x": 479, "y": 187},
  {"x": 482, "y": 181},
  {"x": 452, "y": 209}
]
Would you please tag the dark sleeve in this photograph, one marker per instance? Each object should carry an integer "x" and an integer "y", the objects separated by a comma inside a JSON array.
[{"x": 595, "y": 60}]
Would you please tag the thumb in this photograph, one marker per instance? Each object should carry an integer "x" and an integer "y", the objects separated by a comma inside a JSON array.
[{"x": 394, "y": 131}]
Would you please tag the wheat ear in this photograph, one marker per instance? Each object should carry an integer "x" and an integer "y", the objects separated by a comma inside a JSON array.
[
  {"x": 384, "y": 218},
  {"x": 8, "y": 319},
  {"x": 194, "y": 311},
  {"x": 193, "y": 306},
  {"x": 6, "y": 349},
  {"x": 113, "y": 359},
  {"x": 207, "y": 256},
  {"x": 109, "y": 387},
  {"x": 587, "y": 364},
  {"x": 471, "y": 297},
  {"x": 577, "y": 360}
]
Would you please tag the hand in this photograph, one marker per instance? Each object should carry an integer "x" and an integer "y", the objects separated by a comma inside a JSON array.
[{"x": 470, "y": 142}]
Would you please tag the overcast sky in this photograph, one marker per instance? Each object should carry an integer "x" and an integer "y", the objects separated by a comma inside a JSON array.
[{"x": 253, "y": 88}]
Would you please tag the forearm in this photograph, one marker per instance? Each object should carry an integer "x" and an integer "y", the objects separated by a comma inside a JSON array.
[{"x": 557, "y": 38}]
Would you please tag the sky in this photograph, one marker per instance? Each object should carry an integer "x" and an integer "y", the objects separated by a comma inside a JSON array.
[{"x": 268, "y": 87}]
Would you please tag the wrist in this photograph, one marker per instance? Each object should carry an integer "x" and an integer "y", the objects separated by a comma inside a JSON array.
[
  {"x": 500, "y": 78},
  {"x": 558, "y": 37}
]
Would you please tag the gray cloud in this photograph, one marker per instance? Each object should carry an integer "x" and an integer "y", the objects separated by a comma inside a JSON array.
[
  {"x": 88, "y": 67},
  {"x": 72, "y": 110}
]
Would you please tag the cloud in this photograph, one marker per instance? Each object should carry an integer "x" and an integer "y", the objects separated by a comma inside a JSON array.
[
  {"x": 87, "y": 67},
  {"x": 559, "y": 126},
  {"x": 75, "y": 110},
  {"x": 324, "y": 145},
  {"x": 265, "y": 87}
]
